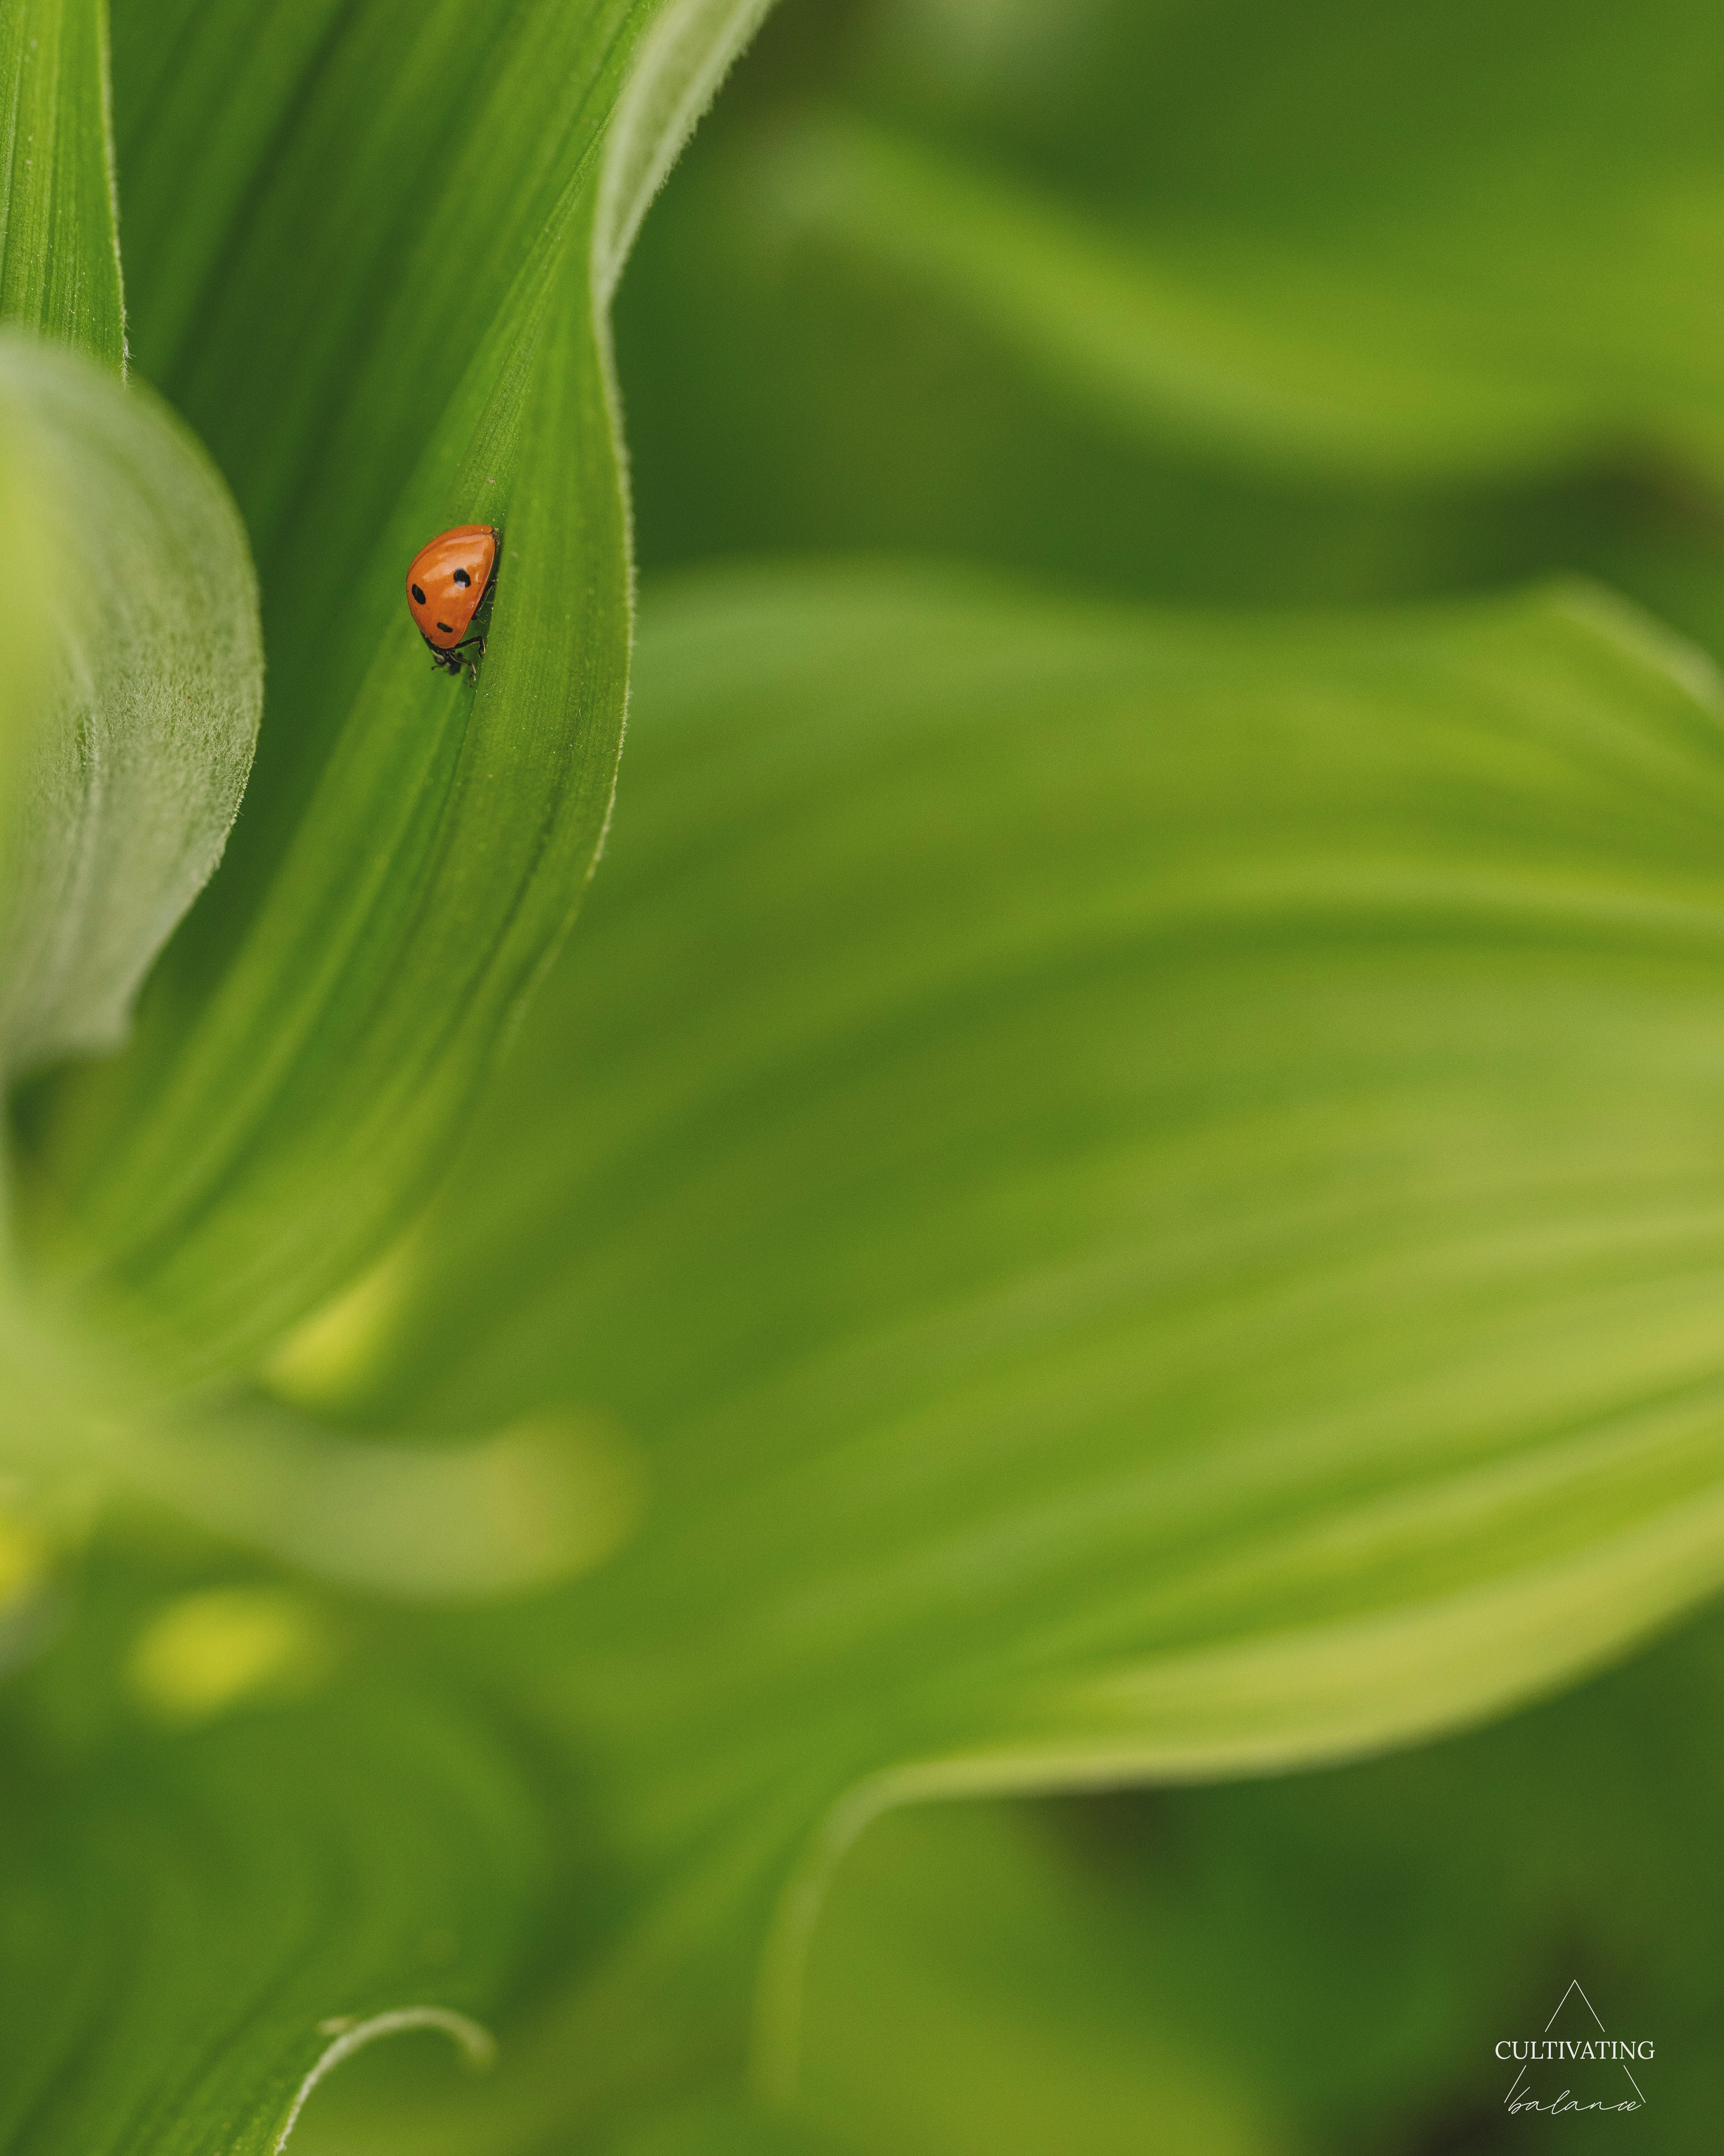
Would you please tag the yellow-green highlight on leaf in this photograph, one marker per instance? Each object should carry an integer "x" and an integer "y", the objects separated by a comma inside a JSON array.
[
  {"x": 129, "y": 765},
  {"x": 60, "y": 248},
  {"x": 324, "y": 1360},
  {"x": 27, "y": 1583},
  {"x": 222, "y": 1646},
  {"x": 21, "y": 1559},
  {"x": 1142, "y": 1181}
]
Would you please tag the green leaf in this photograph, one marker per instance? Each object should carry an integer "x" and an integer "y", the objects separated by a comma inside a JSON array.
[
  {"x": 1152, "y": 1186},
  {"x": 134, "y": 732},
  {"x": 59, "y": 252},
  {"x": 981, "y": 1969},
  {"x": 376, "y": 347},
  {"x": 975, "y": 1987}
]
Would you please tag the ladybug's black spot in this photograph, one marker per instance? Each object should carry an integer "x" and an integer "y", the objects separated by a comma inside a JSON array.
[
  {"x": 418, "y": 596},
  {"x": 447, "y": 627},
  {"x": 462, "y": 578}
]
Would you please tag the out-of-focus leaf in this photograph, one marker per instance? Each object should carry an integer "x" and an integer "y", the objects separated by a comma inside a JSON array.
[
  {"x": 517, "y": 1510},
  {"x": 791, "y": 388},
  {"x": 130, "y": 751},
  {"x": 1152, "y": 1186},
  {"x": 728, "y": 2130},
  {"x": 60, "y": 253},
  {"x": 969, "y": 1996},
  {"x": 1142, "y": 337},
  {"x": 972, "y": 1960},
  {"x": 369, "y": 286},
  {"x": 505, "y": 1513},
  {"x": 796, "y": 398},
  {"x": 1475, "y": 240},
  {"x": 199, "y": 1913}
]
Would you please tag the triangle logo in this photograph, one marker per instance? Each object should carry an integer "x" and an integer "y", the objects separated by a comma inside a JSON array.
[{"x": 1573, "y": 2063}]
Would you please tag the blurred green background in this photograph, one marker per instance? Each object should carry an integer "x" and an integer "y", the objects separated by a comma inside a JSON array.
[{"x": 1431, "y": 249}]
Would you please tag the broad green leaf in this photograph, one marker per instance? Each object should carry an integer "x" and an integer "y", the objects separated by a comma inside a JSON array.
[
  {"x": 1470, "y": 242},
  {"x": 130, "y": 751},
  {"x": 59, "y": 252},
  {"x": 375, "y": 346},
  {"x": 1150, "y": 1184}
]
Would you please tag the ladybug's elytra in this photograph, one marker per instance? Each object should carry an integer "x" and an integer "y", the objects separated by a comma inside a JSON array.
[{"x": 446, "y": 586}]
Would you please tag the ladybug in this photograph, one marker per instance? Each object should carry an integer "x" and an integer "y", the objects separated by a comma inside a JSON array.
[{"x": 450, "y": 579}]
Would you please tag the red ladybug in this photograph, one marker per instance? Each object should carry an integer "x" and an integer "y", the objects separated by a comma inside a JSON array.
[{"x": 447, "y": 585}]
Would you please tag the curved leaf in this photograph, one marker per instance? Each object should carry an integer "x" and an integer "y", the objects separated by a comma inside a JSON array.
[
  {"x": 979, "y": 1965},
  {"x": 144, "y": 705},
  {"x": 376, "y": 346}
]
